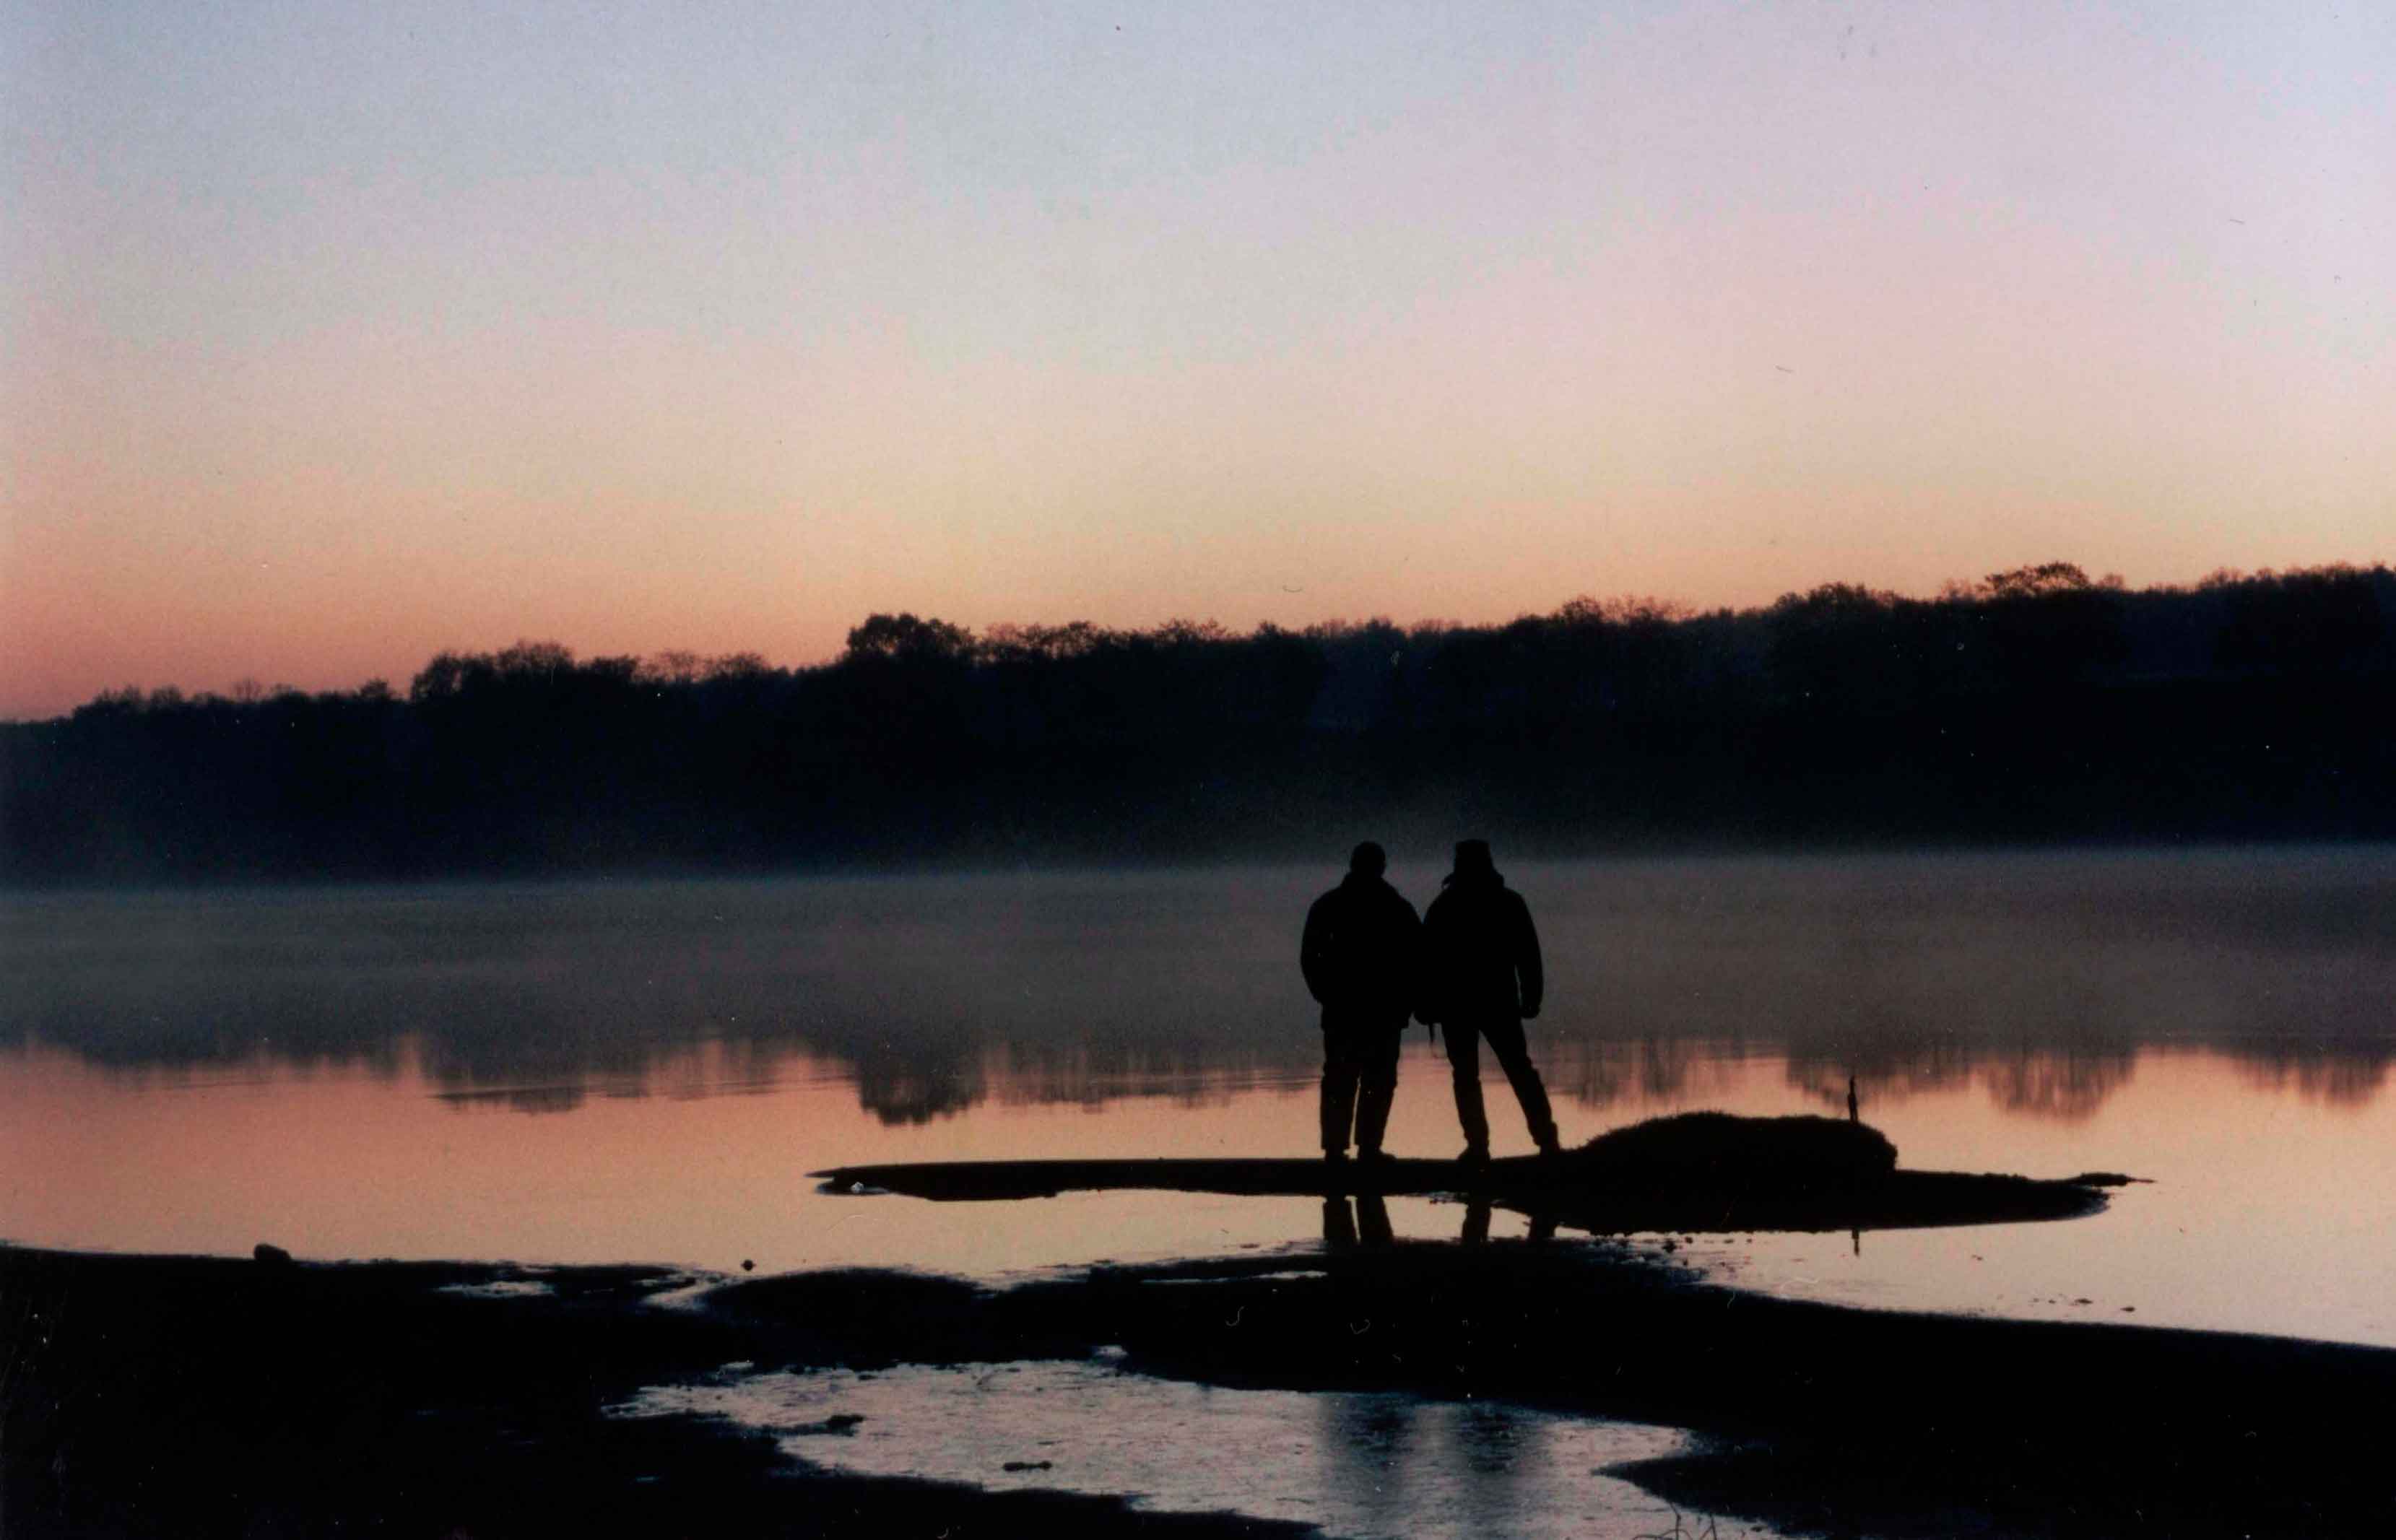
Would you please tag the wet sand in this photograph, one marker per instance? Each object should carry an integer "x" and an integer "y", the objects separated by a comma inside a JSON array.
[{"x": 179, "y": 1395}]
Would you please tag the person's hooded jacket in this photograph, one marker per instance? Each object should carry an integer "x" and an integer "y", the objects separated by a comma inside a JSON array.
[{"x": 1480, "y": 952}]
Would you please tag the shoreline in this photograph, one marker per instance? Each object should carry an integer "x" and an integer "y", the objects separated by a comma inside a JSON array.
[
  {"x": 1572, "y": 1191},
  {"x": 174, "y": 1395}
]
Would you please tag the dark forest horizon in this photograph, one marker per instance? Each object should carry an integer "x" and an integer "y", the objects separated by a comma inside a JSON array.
[
  {"x": 2034, "y": 704},
  {"x": 882, "y": 630}
]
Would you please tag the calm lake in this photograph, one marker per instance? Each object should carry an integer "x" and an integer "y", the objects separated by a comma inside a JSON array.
[{"x": 648, "y": 1070}]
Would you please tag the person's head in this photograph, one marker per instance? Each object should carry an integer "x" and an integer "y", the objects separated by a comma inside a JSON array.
[
  {"x": 1369, "y": 859},
  {"x": 1473, "y": 858}
]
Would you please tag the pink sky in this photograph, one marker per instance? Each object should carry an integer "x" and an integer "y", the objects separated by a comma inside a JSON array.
[{"x": 339, "y": 338}]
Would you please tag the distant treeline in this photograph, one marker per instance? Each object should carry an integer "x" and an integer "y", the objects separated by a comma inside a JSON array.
[{"x": 2035, "y": 705}]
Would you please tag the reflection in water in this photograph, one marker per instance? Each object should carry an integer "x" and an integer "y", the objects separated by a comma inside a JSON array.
[
  {"x": 1348, "y": 1225},
  {"x": 1603, "y": 1071},
  {"x": 1886, "y": 1065},
  {"x": 916, "y": 1083},
  {"x": 2069, "y": 1086},
  {"x": 2064, "y": 1082},
  {"x": 1091, "y": 1074},
  {"x": 2348, "y": 1079},
  {"x": 1369, "y": 1445},
  {"x": 2269, "y": 1211},
  {"x": 545, "y": 1098},
  {"x": 936, "y": 995},
  {"x": 1365, "y": 1222},
  {"x": 918, "y": 1087},
  {"x": 1371, "y": 1465}
]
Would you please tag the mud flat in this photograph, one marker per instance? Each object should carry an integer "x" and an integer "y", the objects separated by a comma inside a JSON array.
[
  {"x": 1696, "y": 1171},
  {"x": 185, "y": 1396},
  {"x": 180, "y": 1396}
]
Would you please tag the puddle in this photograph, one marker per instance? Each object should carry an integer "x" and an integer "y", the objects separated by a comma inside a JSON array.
[
  {"x": 1359, "y": 1464},
  {"x": 503, "y": 1288}
]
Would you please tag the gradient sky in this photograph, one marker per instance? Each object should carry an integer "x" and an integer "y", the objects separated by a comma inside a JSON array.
[{"x": 339, "y": 334}]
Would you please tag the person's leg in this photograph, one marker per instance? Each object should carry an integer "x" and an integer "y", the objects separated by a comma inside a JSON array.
[
  {"x": 1514, "y": 1057},
  {"x": 1464, "y": 1069},
  {"x": 1339, "y": 1075},
  {"x": 1377, "y": 1087}
]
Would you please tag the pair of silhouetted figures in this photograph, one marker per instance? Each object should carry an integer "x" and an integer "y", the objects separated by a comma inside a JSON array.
[{"x": 1472, "y": 964}]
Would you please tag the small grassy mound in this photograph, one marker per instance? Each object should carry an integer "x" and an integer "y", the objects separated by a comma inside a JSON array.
[{"x": 1720, "y": 1150}]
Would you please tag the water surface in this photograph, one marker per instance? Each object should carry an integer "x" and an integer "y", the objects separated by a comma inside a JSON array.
[
  {"x": 611, "y": 1071},
  {"x": 1364, "y": 1464}
]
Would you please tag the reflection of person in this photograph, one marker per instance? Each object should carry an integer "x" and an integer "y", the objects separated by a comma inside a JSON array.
[
  {"x": 1483, "y": 980},
  {"x": 1344, "y": 1228},
  {"x": 1477, "y": 1212},
  {"x": 1358, "y": 955}
]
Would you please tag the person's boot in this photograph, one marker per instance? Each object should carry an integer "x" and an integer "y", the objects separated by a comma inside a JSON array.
[
  {"x": 1474, "y": 1155},
  {"x": 1336, "y": 1105},
  {"x": 1372, "y": 1120}
]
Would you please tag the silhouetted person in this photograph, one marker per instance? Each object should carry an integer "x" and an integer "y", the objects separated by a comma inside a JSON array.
[
  {"x": 1358, "y": 957},
  {"x": 1482, "y": 979},
  {"x": 1852, "y": 1106}
]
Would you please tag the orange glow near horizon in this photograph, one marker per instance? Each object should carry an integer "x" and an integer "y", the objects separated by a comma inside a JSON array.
[
  {"x": 1003, "y": 318},
  {"x": 352, "y": 1163}
]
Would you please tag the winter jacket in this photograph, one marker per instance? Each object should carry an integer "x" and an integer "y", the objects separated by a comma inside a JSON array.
[
  {"x": 1480, "y": 953},
  {"x": 1360, "y": 953}
]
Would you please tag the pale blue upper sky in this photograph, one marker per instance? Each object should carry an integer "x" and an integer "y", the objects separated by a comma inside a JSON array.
[{"x": 336, "y": 333}]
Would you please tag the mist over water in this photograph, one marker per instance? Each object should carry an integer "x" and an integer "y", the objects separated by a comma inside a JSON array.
[
  {"x": 588, "y": 1070},
  {"x": 1910, "y": 971}
]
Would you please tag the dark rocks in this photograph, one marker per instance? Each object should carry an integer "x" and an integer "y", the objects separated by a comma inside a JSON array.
[
  {"x": 1710, "y": 1172},
  {"x": 1716, "y": 1149},
  {"x": 271, "y": 1256}
]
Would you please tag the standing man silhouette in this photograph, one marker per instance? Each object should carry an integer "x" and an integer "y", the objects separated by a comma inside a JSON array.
[
  {"x": 1358, "y": 955},
  {"x": 1483, "y": 980}
]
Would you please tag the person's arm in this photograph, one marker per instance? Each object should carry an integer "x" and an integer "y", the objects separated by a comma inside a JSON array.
[
  {"x": 1526, "y": 960},
  {"x": 1312, "y": 946},
  {"x": 1427, "y": 973},
  {"x": 1411, "y": 973}
]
